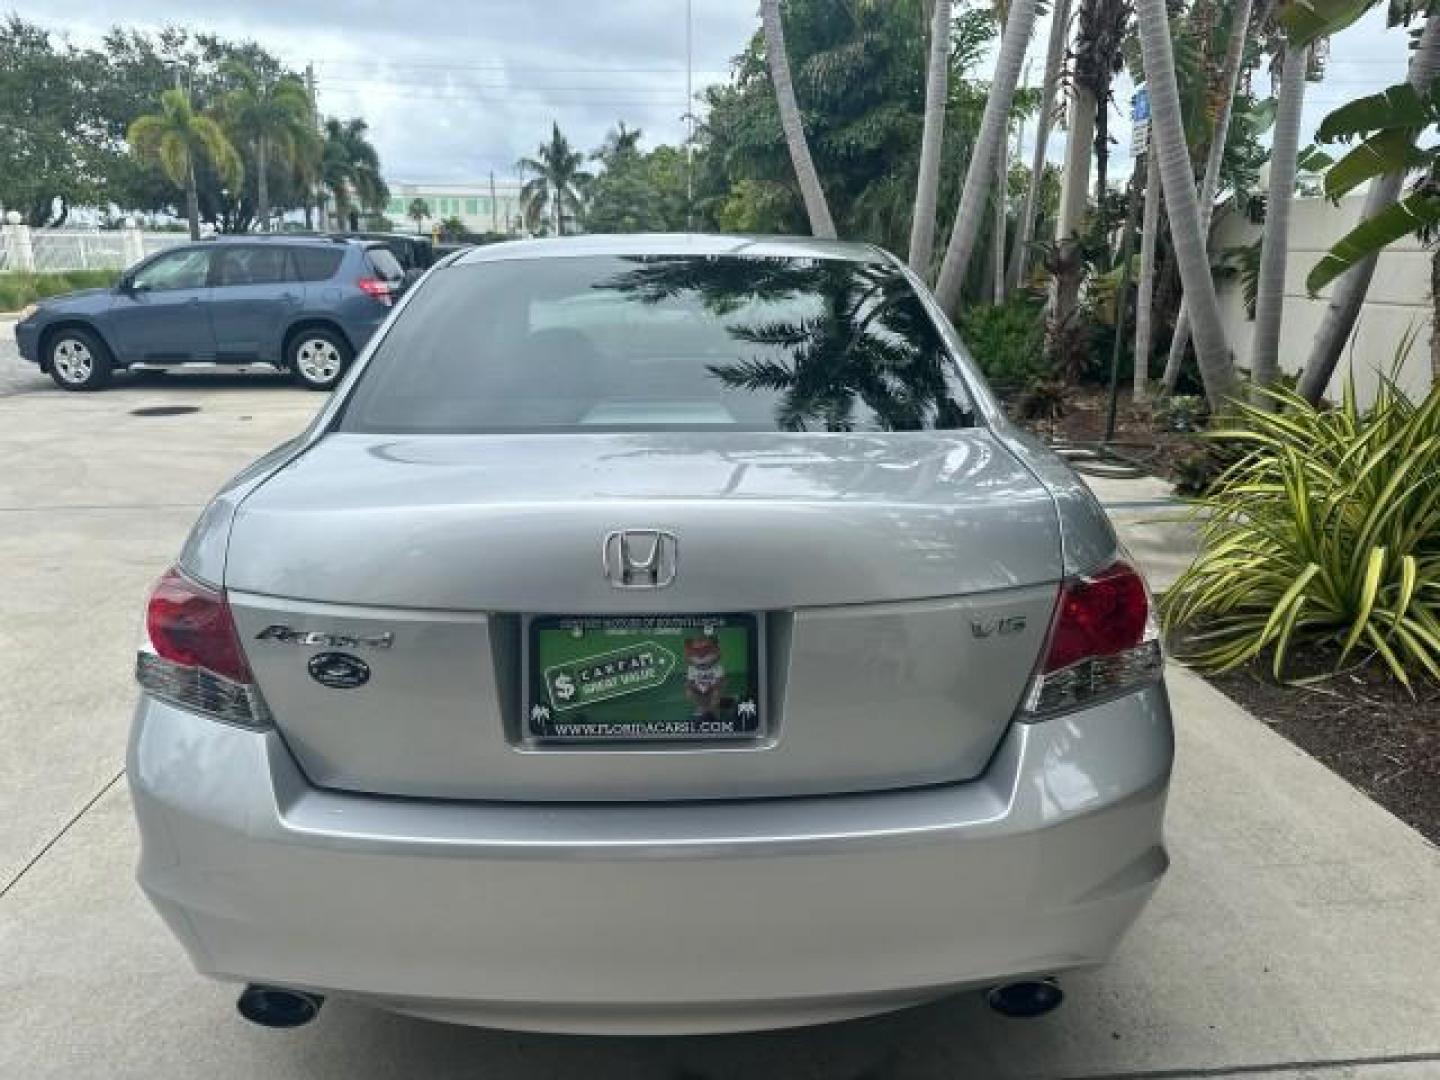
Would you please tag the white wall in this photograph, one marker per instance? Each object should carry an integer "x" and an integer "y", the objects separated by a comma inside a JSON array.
[{"x": 1398, "y": 300}]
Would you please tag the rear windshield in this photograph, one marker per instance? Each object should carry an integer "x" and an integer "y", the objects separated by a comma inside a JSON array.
[
  {"x": 630, "y": 343},
  {"x": 316, "y": 263},
  {"x": 385, "y": 263}
]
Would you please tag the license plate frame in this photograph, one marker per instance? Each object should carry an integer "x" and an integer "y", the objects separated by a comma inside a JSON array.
[{"x": 643, "y": 680}]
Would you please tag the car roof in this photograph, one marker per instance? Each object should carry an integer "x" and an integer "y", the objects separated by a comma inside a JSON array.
[
  {"x": 315, "y": 239},
  {"x": 701, "y": 244}
]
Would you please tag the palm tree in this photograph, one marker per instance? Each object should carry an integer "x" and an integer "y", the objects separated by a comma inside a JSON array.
[
  {"x": 1217, "y": 369},
  {"x": 1054, "y": 61},
  {"x": 557, "y": 184},
  {"x": 1145, "y": 294},
  {"x": 350, "y": 171},
  {"x": 1358, "y": 267},
  {"x": 927, "y": 188},
  {"x": 274, "y": 113},
  {"x": 418, "y": 211},
  {"x": 811, "y": 191},
  {"x": 174, "y": 137},
  {"x": 1275, "y": 242},
  {"x": 981, "y": 170},
  {"x": 1225, "y": 98}
]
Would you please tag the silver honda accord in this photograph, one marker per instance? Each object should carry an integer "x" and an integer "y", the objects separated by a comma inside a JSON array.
[{"x": 651, "y": 635}]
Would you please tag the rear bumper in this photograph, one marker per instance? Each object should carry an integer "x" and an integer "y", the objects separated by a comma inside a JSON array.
[{"x": 653, "y": 918}]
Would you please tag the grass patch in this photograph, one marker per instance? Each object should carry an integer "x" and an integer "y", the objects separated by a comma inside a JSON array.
[{"x": 17, "y": 289}]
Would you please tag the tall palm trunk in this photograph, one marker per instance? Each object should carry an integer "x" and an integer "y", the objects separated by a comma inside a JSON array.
[
  {"x": 1145, "y": 297},
  {"x": 988, "y": 143},
  {"x": 1229, "y": 80},
  {"x": 811, "y": 191},
  {"x": 1275, "y": 243},
  {"x": 192, "y": 198},
  {"x": 1074, "y": 189},
  {"x": 1217, "y": 370},
  {"x": 262, "y": 181},
  {"x": 927, "y": 189},
  {"x": 1349, "y": 294},
  {"x": 1002, "y": 182},
  {"x": 1054, "y": 61}
]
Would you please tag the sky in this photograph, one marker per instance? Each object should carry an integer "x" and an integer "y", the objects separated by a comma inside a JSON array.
[{"x": 454, "y": 90}]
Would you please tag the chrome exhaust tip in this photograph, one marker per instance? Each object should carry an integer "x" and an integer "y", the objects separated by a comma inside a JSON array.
[
  {"x": 1026, "y": 999},
  {"x": 277, "y": 1007}
]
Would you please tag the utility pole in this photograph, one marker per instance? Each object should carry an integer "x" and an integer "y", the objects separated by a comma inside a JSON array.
[
  {"x": 317, "y": 194},
  {"x": 689, "y": 116},
  {"x": 494, "y": 206}
]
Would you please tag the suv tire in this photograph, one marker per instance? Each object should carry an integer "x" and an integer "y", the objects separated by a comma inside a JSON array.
[
  {"x": 318, "y": 357},
  {"x": 77, "y": 359}
]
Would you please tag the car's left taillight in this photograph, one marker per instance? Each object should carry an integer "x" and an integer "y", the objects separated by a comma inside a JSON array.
[
  {"x": 378, "y": 289},
  {"x": 1104, "y": 641},
  {"x": 191, "y": 656}
]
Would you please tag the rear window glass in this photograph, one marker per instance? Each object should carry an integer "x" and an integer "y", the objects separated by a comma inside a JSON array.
[
  {"x": 316, "y": 263},
  {"x": 257, "y": 265},
  {"x": 385, "y": 264},
  {"x": 620, "y": 343}
]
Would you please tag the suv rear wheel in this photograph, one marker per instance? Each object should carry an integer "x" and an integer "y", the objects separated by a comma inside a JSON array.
[
  {"x": 77, "y": 359},
  {"x": 318, "y": 357}
]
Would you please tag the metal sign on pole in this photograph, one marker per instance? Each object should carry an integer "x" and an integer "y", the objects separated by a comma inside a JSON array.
[{"x": 1139, "y": 122}]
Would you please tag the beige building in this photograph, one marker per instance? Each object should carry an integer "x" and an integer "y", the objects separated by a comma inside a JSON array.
[{"x": 483, "y": 206}]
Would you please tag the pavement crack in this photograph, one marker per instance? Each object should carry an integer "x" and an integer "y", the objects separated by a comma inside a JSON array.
[{"x": 61, "y": 834}]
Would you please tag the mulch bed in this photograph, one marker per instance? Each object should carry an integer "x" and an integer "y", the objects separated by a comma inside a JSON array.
[
  {"x": 1363, "y": 725},
  {"x": 1137, "y": 436}
]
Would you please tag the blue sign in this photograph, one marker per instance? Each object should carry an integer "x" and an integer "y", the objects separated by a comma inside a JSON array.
[{"x": 1140, "y": 106}]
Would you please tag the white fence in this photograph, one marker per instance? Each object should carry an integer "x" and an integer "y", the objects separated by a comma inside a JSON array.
[
  {"x": 45, "y": 251},
  {"x": 1397, "y": 306}
]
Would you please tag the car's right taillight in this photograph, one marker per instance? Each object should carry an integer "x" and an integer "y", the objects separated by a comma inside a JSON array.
[
  {"x": 378, "y": 289},
  {"x": 1104, "y": 641},
  {"x": 191, "y": 656}
]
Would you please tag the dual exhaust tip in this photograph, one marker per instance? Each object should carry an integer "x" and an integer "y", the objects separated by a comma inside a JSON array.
[{"x": 278, "y": 1007}]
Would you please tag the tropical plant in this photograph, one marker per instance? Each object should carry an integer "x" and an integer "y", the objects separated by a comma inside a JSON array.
[
  {"x": 1388, "y": 124},
  {"x": 553, "y": 195},
  {"x": 350, "y": 171},
  {"x": 272, "y": 112},
  {"x": 1325, "y": 534},
  {"x": 811, "y": 191},
  {"x": 1005, "y": 339},
  {"x": 174, "y": 138},
  {"x": 1217, "y": 369},
  {"x": 980, "y": 172},
  {"x": 418, "y": 211},
  {"x": 1103, "y": 28}
]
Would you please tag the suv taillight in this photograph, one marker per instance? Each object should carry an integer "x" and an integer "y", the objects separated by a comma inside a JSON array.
[
  {"x": 192, "y": 656},
  {"x": 377, "y": 288},
  {"x": 1104, "y": 641}
]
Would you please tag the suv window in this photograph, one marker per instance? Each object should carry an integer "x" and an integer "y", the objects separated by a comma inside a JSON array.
[
  {"x": 670, "y": 343},
  {"x": 316, "y": 263},
  {"x": 384, "y": 263},
  {"x": 249, "y": 265},
  {"x": 185, "y": 269}
]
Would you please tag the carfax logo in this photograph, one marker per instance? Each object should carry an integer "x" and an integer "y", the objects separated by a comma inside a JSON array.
[{"x": 593, "y": 679}]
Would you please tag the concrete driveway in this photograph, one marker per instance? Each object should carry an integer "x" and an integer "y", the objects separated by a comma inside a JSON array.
[{"x": 1298, "y": 934}]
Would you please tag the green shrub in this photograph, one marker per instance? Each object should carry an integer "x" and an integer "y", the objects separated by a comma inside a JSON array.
[
  {"x": 1007, "y": 340},
  {"x": 18, "y": 290},
  {"x": 1326, "y": 532}
]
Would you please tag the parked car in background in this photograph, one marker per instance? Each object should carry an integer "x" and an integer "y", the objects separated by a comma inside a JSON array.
[
  {"x": 657, "y": 634},
  {"x": 304, "y": 304},
  {"x": 415, "y": 252}
]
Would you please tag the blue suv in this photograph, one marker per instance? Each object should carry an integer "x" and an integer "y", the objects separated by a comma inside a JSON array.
[{"x": 306, "y": 305}]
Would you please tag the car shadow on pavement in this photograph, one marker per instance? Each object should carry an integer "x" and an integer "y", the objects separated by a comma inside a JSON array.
[{"x": 954, "y": 1037}]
